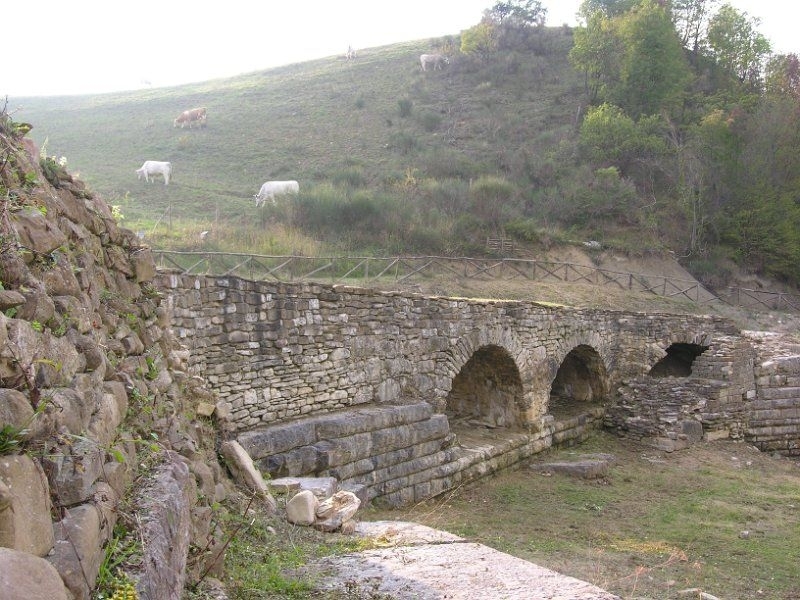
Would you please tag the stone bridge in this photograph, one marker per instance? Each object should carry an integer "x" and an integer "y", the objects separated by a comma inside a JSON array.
[{"x": 401, "y": 396}]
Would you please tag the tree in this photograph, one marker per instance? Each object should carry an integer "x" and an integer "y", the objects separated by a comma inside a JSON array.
[
  {"x": 654, "y": 72},
  {"x": 605, "y": 8},
  {"x": 480, "y": 40},
  {"x": 691, "y": 18},
  {"x": 634, "y": 60},
  {"x": 519, "y": 12},
  {"x": 595, "y": 51},
  {"x": 609, "y": 137},
  {"x": 737, "y": 46},
  {"x": 783, "y": 76}
]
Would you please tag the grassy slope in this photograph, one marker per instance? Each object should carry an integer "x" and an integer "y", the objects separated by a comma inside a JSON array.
[{"x": 310, "y": 122}]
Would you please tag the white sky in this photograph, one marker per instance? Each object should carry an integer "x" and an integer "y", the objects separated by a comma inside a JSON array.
[{"x": 96, "y": 46}]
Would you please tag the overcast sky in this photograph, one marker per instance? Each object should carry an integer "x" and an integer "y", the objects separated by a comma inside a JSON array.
[{"x": 96, "y": 46}]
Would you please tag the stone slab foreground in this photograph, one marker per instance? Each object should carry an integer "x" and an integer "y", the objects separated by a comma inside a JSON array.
[{"x": 421, "y": 563}]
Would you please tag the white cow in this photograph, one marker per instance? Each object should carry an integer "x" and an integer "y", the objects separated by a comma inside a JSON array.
[
  {"x": 351, "y": 53},
  {"x": 151, "y": 168},
  {"x": 270, "y": 189},
  {"x": 436, "y": 60}
]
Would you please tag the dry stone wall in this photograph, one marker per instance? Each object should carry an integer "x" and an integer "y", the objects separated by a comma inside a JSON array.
[
  {"x": 276, "y": 351},
  {"x": 92, "y": 387}
]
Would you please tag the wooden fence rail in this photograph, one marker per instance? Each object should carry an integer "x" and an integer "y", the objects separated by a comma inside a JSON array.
[{"x": 410, "y": 269}]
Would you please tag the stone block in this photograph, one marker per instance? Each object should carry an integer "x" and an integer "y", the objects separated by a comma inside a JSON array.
[
  {"x": 25, "y": 522},
  {"x": 78, "y": 551},
  {"x": 73, "y": 473},
  {"x": 321, "y": 487},
  {"x": 245, "y": 472},
  {"x": 24, "y": 576}
]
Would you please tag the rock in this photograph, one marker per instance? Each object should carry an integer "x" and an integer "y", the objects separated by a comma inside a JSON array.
[
  {"x": 109, "y": 412},
  {"x": 244, "y": 471},
  {"x": 74, "y": 470},
  {"x": 78, "y": 551},
  {"x": 25, "y": 506},
  {"x": 166, "y": 529},
  {"x": 322, "y": 487},
  {"x": 205, "y": 409},
  {"x": 302, "y": 508},
  {"x": 584, "y": 469},
  {"x": 144, "y": 265},
  {"x": 15, "y": 410},
  {"x": 36, "y": 233},
  {"x": 336, "y": 510},
  {"x": 24, "y": 576},
  {"x": 10, "y": 299},
  {"x": 204, "y": 478}
]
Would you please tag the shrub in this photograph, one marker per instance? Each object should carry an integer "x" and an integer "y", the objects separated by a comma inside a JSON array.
[
  {"x": 430, "y": 121},
  {"x": 403, "y": 142},
  {"x": 404, "y": 106},
  {"x": 525, "y": 230},
  {"x": 350, "y": 176}
]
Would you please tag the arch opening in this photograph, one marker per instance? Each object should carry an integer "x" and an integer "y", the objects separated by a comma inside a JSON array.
[
  {"x": 580, "y": 383},
  {"x": 487, "y": 391},
  {"x": 678, "y": 361}
]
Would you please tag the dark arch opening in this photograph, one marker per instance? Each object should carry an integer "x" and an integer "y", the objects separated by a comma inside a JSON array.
[
  {"x": 678, "y": 361},
  {"x": 487, "y": 391},
  {"x": 580, "y": 383}
]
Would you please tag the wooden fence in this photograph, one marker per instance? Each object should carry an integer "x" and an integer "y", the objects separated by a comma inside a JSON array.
[{"x": 408, "y": 270}]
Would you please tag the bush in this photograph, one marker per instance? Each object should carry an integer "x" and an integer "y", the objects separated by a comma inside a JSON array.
[
  {"x": 449, "y": 196},
  {"x": 524, "y": 230},
  {"x": 430, "y": 121},
  {"x": 403, "y": 142},
  {"x": 404, "y": 105},
  {"x": 351, "y": 176}
]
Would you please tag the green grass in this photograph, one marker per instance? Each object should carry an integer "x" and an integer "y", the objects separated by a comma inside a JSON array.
[
  {"x": 658, "y": 525},
  {"x": 265, "y": 556}
]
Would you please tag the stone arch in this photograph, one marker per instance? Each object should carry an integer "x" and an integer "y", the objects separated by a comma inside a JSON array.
[
  {"x": 487, "y": 390},
  {"x": 581, "y": 381},
  {"x": 678, "y": 360}
]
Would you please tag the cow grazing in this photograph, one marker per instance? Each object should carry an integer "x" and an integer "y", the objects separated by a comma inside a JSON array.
[
  {"x": 151, "y": 168},
  {"x": 435, "y": 60},
  {"x": 190, "y": 117},
  {"x": 271, "y": 189}
]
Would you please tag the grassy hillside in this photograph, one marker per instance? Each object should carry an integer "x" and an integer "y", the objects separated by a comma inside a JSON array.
[{"x": 376, "y": 135}]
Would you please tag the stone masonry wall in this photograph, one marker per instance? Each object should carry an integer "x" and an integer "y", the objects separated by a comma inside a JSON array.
[
  {"x": 275, "y": 352},
  {"x": 774, "y": 416},
  {"x": 677, "y": 411}
]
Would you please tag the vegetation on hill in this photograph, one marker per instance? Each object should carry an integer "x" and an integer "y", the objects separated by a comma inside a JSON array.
[{"x": 653, "y": 127}]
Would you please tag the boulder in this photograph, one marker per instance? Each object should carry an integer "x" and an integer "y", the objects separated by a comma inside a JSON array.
[
  {"x": 302, "y": 508},
  {"x": 24, "y": 576},
  {"x": 333, "y": 512},
  {"x": 78, "y": 551},
  {"x": 244, "y": 471},
  {"x": 25, "y": 506},
  {"x": 166, "y": 529},
  {"x": 74, "y": 470}
]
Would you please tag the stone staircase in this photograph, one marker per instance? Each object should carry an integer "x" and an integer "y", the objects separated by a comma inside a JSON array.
[{"x": 399, "y": 454}]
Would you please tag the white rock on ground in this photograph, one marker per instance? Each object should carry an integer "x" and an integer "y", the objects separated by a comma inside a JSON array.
[{"x": 421, "y": 563}]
